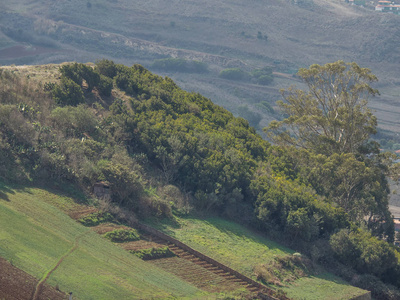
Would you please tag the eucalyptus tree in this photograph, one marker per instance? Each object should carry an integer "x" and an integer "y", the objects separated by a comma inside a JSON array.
[
  {"x": 332, "y": 123},
  {"x": 332, "y": 116}
]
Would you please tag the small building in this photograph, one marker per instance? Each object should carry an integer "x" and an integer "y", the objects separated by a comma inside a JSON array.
[
  {"x": 384, "y": 2},
  {"x": 396, "y": 224},
  {"x": 357, "y": 2},
  {"x": 102, "y": 190},
  {"x": 388, "y": 6}
]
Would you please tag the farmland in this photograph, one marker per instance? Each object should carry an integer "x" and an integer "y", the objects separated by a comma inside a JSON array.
[
  {"x": 35, "y": 235},
  {"x": 242, "y": 249}
]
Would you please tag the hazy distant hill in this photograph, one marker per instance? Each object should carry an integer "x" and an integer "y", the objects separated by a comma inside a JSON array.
[{"x": 283, "y": 34}]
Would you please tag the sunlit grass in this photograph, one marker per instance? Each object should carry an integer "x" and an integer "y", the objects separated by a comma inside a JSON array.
[
  {"x": 241, "y": 249},
  {"x": 34, "y": 235}
]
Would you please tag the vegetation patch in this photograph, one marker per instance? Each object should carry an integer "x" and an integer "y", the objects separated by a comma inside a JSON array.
[
  {"x": 97, "y": 218},
  {"x": 153, "y": 253},
  {"x": 122, "y": 235},
  {"x": 261, "y": 76},
  {"x": 180, "y": 65},
  {"x": 284, "y": 269}
]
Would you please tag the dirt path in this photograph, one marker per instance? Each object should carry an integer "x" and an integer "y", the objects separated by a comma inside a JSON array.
[{"x": 47, "y": 275}]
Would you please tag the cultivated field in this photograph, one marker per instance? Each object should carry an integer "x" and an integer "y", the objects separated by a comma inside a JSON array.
[
  {"x": 242, "y": 249},
  {"x": 43, "y": 241}
]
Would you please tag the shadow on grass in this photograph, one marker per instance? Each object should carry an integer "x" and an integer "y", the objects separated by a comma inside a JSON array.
[
  {"x": 65, "y": 189},
  {"x": 8, "y": 188},
  {"x": 165, "y": 225},
  {"x": 4, "y": 196}
]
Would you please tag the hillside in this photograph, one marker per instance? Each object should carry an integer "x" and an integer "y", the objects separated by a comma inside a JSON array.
[
  {"x": 284, "y": 34},
  {"x": 159, "y": 152},
  {"x": 41, "y": 239},
  {"x": 249, "y": 253},
  {"x": 46, "y": 243}
]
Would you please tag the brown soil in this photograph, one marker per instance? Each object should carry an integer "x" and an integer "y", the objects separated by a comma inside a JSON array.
[
  {"x": 197, "y": 275},
  {"x": 15, "y": 284},
  {"x": 140, "y": 245},
  {"x": 78, "y": 214}
]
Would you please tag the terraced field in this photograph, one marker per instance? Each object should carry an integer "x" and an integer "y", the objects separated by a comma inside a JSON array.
[
  {"x": 201, "y": 276},
  {"x": 43, "y": 241},
  {"x": 241, "y": 249},
  {"x": 192, "y": 268}
]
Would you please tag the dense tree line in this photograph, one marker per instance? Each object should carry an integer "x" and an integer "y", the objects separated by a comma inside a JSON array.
[{"x": 323, "y": 180}]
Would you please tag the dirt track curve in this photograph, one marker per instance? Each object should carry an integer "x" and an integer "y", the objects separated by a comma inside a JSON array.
[{"x": 47, "y": 275}]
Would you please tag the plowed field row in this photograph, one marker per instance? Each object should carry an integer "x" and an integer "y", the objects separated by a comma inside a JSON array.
[
  {"x": 197, "y": 275},
  {"x": 198, "y": 271}
]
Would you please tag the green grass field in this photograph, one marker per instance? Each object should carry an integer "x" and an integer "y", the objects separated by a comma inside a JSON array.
[
  {"x": 242, "y": 249},
  {"x": 34, "y": 235}
]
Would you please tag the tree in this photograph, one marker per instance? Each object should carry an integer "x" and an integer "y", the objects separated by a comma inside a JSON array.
[
  {"x": 91, "y": 76},
  {"x": 234, "y": 74},
  {"x": 331, "y": 123},
  {"x": 106, "y": 67},
  {"x": 332, "y": 116},
  {"x": 363, "y": 252},
  {"x": 68, "y": 93},
  {"x": 105, "y": 85}
]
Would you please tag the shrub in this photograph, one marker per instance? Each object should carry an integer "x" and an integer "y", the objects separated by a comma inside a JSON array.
[
  {"x": 251, "y": 116},
  {"x": 263, "y": 76},
  {"x": 68, "y": 93},
  {"x": 96, "y": 218},
  {"x": 365, "y": 253},
  {"x": 106, "y": 67},
  {"x": 378, "y": 289},
  {"x": 180, "y": 65},
  {"x": 105, "y": 85},
  {"x": 234, "y": 74},
  {"x": 74, "y": 121},
  {"x": 153, "y": 253},
  {"x": 122, "y": 235}
]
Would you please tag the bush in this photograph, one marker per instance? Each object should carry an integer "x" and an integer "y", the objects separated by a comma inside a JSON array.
[
  {"x": 122, "y": 235},
  {"x": 378, "y": 289},
  {"x": 105, "y": 85},
  {"x": 106, "y": 67},
  {"x": 68, "y": 93},
  {"x": 252, "y": 117},
  {"x": 71, "y": 71},
  {"x": 74, "y": 121},
  {"x": 263, "y": 76},
  {"x": 234, "y": 74},
  {"x": 96, "y": 219},
  {"x": 365, "y": 253},
  {"x": 77, "y": 72},
  {"x": 153, "y": 253},
  {"x": 180, "y": 65}
]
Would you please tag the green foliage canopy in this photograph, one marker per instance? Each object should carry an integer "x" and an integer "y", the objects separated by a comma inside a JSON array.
[{"x": 332, "y": 116}]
